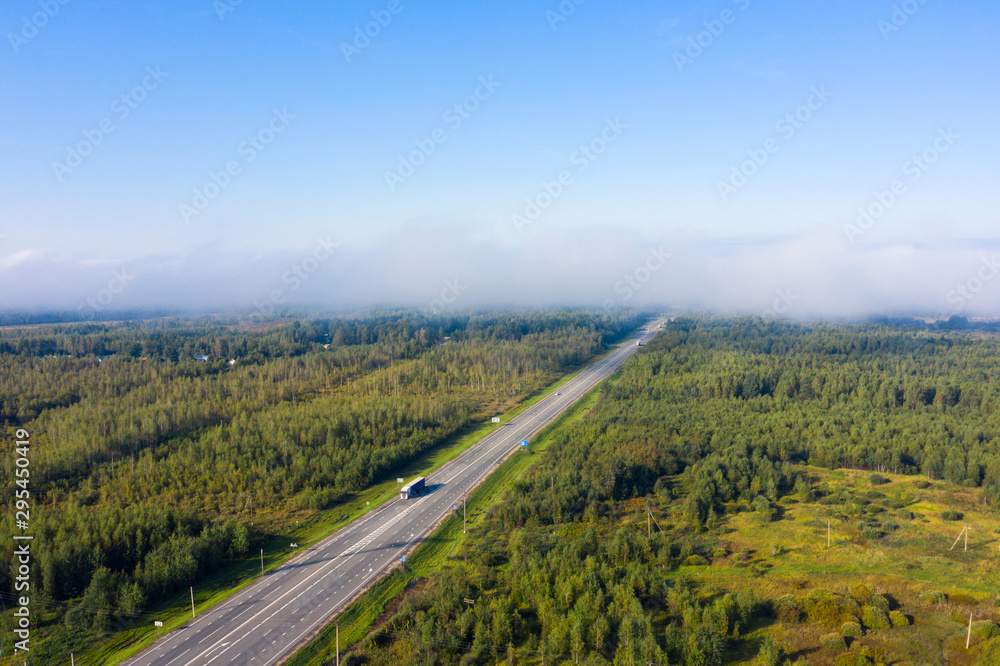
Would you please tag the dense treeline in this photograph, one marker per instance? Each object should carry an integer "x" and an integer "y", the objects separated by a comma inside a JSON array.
[
  {"x": 710, "y": 418},
  {"x": 142, "y": 461}
]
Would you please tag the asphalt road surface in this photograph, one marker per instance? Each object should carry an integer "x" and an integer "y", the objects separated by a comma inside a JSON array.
[{"x": 267, "y": 621}]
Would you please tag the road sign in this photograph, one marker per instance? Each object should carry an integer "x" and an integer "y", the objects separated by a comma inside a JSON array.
[
  {"x": 402, "y": 559},
  {"x": 496, "y": 419},
  {"x": 524, "y": 443},
  {"x": 400, "y": 480},
  {"x": 158, "y": 623}
]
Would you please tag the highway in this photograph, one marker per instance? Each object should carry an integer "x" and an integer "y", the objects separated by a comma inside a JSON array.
[{"x": 267, "y": 621}]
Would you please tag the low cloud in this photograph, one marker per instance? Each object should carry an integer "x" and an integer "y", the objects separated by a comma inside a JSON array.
[{"x": 436, "y": 266}]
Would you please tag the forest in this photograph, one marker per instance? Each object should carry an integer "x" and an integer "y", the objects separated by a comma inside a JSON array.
[
  {"x": 151, "y": 439},
  {"x": 636, "y": 537}
]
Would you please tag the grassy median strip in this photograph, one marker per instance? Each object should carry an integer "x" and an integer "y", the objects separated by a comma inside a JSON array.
[{"x": 357, "y": 620}]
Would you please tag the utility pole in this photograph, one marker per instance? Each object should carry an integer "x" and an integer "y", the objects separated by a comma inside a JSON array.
[
  {"x": 965, "y": 531},
  {"x": 72, "y": 661},
  {"x": 192, "y": 601},
  {"x": 968, "y": 637},
  {"x": 463, "y": 515},
  {"x": 261, "y": 561}
]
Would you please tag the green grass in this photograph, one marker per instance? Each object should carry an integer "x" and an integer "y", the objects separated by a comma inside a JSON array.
[
  {"x": 904, "y": 564},
  {"x": 357, "y": 620}
]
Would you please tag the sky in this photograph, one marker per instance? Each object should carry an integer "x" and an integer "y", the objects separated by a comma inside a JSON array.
[{"x": 822, "y": 159}]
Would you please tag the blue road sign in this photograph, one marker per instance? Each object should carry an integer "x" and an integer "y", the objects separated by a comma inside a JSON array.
[
  {"x": 524, "y": 442},
  {"x": 402, "y": 559}
]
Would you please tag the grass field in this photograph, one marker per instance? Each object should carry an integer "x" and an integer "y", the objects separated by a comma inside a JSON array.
[{"x": 790, "y": 556}]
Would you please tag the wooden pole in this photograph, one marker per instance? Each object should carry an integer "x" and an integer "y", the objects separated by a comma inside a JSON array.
[
  {"x": 968, "y": 636},
  {"x": 957, "y": 539},
  {"x": 192, "y": 602},
  {"x": 967, "y": 537}
]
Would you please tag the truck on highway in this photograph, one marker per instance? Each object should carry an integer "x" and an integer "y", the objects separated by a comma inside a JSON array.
[{"x": 412, "y": 489}]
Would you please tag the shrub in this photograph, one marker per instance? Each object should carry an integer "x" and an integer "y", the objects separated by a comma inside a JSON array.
[
  {"x": 933, "y": 597},
  {"x": 922, "y": 483},
  {"x": 897, "y": 619},
  {"x": 851, "y": 629},
  {"x": 877, "y": 479},
  {"x": 905, "y": 514},
  {"x": 875, "y": 618},
  {"x": 861, "y": 594},
  {"x": 865, "y": 656},
  {"x": 962, "y": 599},
  {"x": 890, "y": 526},
  {"x": 822, "y": 607},
  {"x": 880, "y": 602},
  {"x": 952, "y": 515},
  {"x": 871, "y": 533},
  {"x": 985, "y": 629},
  {"x": 695, "y": 560},
  {"x": 834, "y": 642},
  {"x": 771, "y": 652},
  {"x": 720, "y": 552},
  {"x": 787, "y": 609}
]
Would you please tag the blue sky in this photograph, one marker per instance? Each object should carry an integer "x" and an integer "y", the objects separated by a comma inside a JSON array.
[{"x": 557, "y": 80}]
